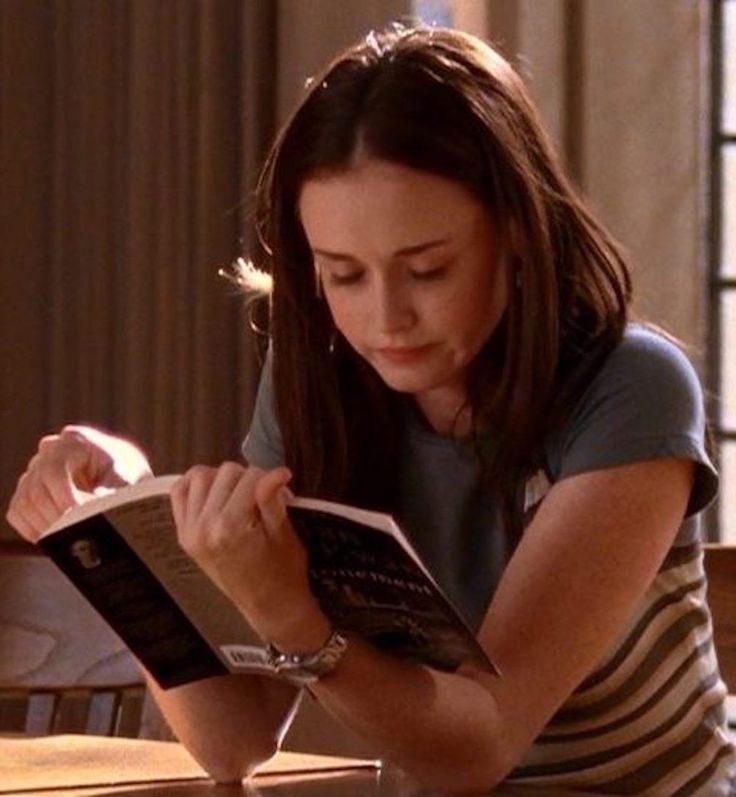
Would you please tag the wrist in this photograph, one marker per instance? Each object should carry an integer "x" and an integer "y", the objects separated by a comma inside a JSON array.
[
  {"x": 306, "y": 633},
  {"x": 303, "y": 669}
]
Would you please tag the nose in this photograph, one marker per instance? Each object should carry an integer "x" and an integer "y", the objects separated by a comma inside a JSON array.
[{"x": 395, "y": 311}]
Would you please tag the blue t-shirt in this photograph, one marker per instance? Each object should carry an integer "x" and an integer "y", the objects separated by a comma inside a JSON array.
[{"x": 646, "y": 402}]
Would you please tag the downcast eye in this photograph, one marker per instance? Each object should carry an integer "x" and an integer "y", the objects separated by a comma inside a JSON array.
[
  {"x": 431, "y": 274},
  {"x": 345, "y": 279}
]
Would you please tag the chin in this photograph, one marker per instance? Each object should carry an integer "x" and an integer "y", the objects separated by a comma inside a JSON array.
[{"x": 404, "y": 381}]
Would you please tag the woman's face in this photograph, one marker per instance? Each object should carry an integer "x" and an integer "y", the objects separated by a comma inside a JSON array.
[{"x": 412, "y": 272}]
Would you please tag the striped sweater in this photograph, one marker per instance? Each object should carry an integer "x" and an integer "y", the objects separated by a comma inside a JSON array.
[{"x": 650, "y": 719}]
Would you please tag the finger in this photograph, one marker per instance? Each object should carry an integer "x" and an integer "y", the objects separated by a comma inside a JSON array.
[
  {"x": 227, "y": 476},
  {"x": 179, "y": 495},
  {"x": 48, "y": 467},
  {"x": 200, "y": 479},
  {"x": 188, "y": 495},
  {"x": 89, "y": 467},
  {"x": 236, "y": 495},
  {"x": 83, "y": 462},
  {"x": 69, "y": 463},
  {"x": 58, "y": 487},
  {"x": 39, "y": 498},
  {"x": 32, "y": 502},
  {"x": 112, "y": 461},
  {"x": 187, "y": 498},
  {"x": 19, "y": 522},
  {"x": 30, "y": 519},
  {"x": 270, "y": 498},
  {"x": 61, "y": 491}
]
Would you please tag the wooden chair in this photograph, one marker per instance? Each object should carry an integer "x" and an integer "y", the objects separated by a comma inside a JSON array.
[
  {"x": 61, "y": 668},
  {"x": 720, "y": 568}
]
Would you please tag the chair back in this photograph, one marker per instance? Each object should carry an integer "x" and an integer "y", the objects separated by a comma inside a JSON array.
[
  {"x": 720, "y": 568},
  {"x": 62, "y": 670}
]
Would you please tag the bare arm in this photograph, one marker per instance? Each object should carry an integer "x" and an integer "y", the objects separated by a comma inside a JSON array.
[
  {"x": 603, "y": 535},
  {"x": 230, "y": 724}
]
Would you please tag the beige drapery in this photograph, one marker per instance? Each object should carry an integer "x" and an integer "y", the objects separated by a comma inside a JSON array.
[{"x": 130, "y": 135}]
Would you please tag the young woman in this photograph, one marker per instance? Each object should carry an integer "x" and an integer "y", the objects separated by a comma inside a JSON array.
[{"x": 450, "y": 341}]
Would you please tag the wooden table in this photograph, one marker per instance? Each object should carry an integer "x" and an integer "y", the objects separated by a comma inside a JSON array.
[
  {"x": 83, "y": 766},
  {"x": 94, "y": 766}
]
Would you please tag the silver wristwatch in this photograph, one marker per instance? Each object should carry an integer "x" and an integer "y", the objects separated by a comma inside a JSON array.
[{"x": 302, "y": 669}]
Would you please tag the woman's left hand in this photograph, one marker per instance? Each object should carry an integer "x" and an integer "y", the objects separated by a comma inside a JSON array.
[{"x": 232, "y": 521}]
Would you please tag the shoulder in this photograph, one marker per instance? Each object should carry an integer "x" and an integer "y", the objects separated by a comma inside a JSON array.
[
  {"x": 648, "y": 379},
  {"x": 645, "y": 402},
  {"x": 646, "y": 355}
]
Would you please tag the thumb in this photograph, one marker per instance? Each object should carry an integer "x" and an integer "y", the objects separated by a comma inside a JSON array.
[
  {"x": 86, "y": 468},
  {"x": 270, "y": 497}
]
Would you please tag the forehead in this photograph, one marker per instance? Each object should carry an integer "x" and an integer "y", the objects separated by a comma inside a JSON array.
[{"x": 377, "y": 200}]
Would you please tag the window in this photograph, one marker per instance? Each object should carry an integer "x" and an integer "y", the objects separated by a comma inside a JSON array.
[
  {"x": 435, "y": 12},
  {"x": 469, "y": 15},
  {"x": 723, "y": 257}
]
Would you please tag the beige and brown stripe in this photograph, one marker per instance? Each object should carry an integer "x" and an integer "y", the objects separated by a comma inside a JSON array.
[{"x": 650, "y": 719}]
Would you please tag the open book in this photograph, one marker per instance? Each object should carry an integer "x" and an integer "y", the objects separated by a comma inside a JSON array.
[{"x": 121, "y": 551}]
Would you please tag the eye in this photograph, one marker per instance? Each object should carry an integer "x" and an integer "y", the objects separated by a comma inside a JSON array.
[
  {"x": 344, "y": 279},
  {"x": 430, "y": 274}
]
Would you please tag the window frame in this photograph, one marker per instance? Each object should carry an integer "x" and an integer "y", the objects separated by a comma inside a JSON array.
[{"x": 719, "y": 285}]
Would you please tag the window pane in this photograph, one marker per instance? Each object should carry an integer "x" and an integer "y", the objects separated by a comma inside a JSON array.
[
  {"x": 729, "y": 66},
  {"x": 728, "y": 362},
  {"x": 727, "y": 501},
  {"x": 434, "y": 12},
  {"x": 728, "y": 212}
]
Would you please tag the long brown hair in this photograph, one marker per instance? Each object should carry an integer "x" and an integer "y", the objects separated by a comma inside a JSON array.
[{"x": 444, "y": 102}]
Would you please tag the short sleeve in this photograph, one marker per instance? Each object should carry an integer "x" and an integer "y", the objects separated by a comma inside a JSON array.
[
  {"x": 263, "y": 446},
  {"x": 645, "y": 403}
]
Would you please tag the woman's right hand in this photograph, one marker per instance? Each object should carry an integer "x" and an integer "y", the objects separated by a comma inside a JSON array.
[{"x": 78, "y": 460}]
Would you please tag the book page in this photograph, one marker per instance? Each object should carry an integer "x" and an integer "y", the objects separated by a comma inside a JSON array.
[{"x": 148, "y": 527}]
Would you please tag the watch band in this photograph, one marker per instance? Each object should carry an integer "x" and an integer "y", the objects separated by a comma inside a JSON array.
[{"x": 306, "y": 668}]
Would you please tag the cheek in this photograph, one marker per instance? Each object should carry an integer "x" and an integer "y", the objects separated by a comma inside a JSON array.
[
  {"x": 476, "y": 313},
  {"x": 345, "y": 314}
]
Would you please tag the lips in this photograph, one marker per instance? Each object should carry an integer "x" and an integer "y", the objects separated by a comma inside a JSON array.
[{"x": 404, "y": 355}]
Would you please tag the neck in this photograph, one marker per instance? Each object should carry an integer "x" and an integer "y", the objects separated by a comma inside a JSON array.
[{"x": 445, "y": 412}]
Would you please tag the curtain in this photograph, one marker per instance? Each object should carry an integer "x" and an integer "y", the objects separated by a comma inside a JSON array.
[{"x": 130, "y": 136}]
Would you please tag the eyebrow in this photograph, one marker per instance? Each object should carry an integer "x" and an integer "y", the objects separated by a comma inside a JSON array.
[{"x": 405, "y": 251}]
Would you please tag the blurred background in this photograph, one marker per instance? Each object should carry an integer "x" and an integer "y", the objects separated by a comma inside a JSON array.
[{"x": 132, "y": 131}]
